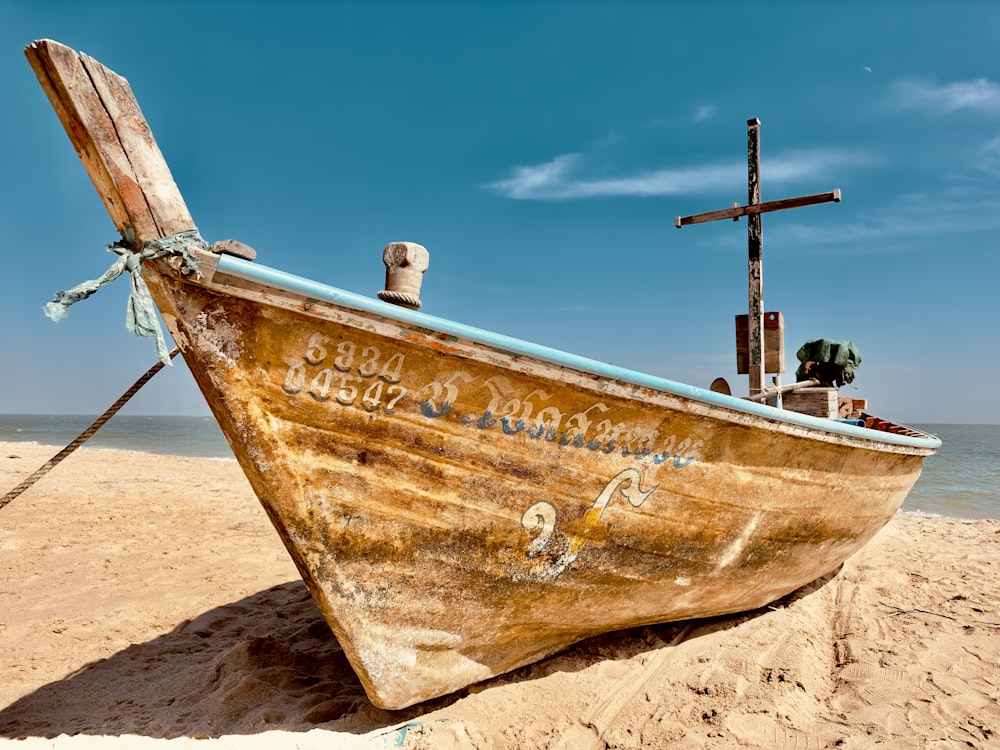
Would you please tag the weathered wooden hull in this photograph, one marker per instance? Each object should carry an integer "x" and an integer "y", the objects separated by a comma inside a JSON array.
[{"x": 459, "y": 509}]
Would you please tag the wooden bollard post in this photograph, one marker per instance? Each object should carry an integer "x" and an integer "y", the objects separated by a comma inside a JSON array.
[{"x": 405, "y": 263}]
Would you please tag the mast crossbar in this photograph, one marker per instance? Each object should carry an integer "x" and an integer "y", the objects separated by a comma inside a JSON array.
[{"x": 759, "y": 208}]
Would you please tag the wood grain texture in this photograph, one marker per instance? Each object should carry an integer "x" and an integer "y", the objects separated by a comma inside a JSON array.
[{"x": 107, "y": 128}]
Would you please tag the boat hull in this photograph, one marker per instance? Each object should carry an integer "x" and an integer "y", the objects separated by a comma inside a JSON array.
[{"x": 458, "y": 510}]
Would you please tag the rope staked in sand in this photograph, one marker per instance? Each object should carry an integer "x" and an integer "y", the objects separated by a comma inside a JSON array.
[{"x": 84, "y": 436}]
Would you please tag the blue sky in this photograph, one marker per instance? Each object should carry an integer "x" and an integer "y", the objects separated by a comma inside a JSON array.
[{"x": 540, "y": 151}]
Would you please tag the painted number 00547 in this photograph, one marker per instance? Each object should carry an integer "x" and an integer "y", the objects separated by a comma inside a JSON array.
[{"x": 353, "y": 372}]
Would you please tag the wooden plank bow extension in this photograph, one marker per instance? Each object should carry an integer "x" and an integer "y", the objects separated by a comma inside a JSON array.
[{"x": 110, "y": 134}]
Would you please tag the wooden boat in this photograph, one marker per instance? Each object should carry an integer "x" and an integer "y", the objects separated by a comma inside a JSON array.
[{"x": 458, "y": 502}]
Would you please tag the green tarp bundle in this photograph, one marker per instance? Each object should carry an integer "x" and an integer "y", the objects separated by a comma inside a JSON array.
[{"x": 838, "y": 353}]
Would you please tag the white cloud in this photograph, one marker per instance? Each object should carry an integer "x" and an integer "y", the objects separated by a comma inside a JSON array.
[
  {"x": 565, "y": 177},
  {"x": 980, "y": 94},
  {"x": 538, "y": 181},
  {"x": 704, "y": 112},
  {"x": 950, "y": 213}
]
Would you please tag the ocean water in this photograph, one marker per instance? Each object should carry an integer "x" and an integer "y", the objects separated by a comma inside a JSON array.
[
  {"x": 179, "y": 436},
  {"x": 962, "y": 480}
]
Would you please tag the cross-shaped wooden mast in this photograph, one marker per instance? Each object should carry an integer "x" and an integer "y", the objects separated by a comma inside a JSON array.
[{"x": 755, "y": 244}]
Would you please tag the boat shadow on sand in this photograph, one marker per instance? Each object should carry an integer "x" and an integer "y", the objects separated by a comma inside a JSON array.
[{"x": 269, "y": 662}]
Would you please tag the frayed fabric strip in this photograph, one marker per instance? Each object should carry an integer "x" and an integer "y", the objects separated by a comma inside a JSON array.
[{"x": 140, "y": 316}]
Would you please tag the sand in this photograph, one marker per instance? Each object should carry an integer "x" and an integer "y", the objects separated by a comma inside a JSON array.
[{"x": 145, "y": 601}]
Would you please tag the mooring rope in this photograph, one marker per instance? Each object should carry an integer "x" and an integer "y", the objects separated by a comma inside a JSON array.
[
  {"x": 140, "y": 316},
  {"x": 88, "y": 433}
]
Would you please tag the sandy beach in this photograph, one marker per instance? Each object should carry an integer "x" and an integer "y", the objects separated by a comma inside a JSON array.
[{"x": 145, "y": 601}]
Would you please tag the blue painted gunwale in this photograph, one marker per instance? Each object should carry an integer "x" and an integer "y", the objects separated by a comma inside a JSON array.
[{"x": 264, "y": 275}]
